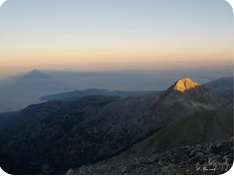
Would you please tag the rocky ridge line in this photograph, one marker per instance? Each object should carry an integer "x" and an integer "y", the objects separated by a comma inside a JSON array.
[{"x": 212, "y": 158}]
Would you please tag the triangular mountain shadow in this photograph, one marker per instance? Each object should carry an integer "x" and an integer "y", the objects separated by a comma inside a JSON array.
[{"x": 35, "y": 74}]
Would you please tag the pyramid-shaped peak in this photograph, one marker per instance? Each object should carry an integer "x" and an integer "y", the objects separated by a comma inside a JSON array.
[
  {"x": 185, "y": 84},
  {"x": 35, "y": 71},
  {"x": 35, "y": 74}
]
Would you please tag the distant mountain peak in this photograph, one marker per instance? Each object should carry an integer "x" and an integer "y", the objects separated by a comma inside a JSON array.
[
  {"x": 185, "y": 84},
  {"x": 35, "y": 70},
  {"x": 36, "y": 74}
]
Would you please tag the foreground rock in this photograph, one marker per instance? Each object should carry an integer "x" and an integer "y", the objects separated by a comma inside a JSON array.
[{"x": 212, "y": 158}]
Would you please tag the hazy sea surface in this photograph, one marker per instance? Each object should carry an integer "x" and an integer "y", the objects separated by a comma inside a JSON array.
[{"x": 17, "y": 93}]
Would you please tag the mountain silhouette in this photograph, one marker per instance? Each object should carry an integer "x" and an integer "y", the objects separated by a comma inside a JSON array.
[
  {"x": 35, "y": 74},
  {"x": 82, "y": 93},
  {"x": 221, "y": 85}
]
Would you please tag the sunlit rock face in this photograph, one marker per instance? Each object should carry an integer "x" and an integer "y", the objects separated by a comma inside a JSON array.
[{"x": 185, "y": 85}]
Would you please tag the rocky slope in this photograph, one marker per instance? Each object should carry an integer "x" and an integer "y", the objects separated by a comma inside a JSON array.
[{"x": 213, "y": 158}]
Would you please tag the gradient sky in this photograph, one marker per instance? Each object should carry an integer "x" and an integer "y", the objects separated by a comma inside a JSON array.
[{"x": 115, "y": 35}]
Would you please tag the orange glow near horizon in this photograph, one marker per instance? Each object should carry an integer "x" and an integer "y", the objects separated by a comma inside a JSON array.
[
  {"x": 87, "y": 38},
  {"x": 119, "y": 53}
]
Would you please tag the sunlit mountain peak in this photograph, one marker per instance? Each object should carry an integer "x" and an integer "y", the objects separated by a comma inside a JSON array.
[{"x": 185, "y": 84}]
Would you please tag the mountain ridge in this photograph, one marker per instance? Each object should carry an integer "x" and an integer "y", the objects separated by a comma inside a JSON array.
[
  {"x": 35, "y": 74},
  {"x": 81, "y": 93},
  {"x": 58, "y": 135}
]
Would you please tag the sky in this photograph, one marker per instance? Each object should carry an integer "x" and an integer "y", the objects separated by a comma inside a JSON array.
[{"x": 110, "y": 35}]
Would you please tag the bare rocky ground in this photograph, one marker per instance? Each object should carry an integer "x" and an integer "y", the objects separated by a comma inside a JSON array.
[{"x": 213, "y": 158}]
